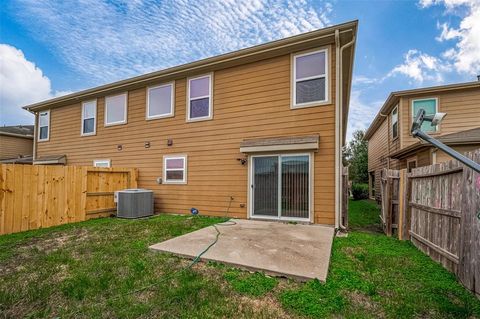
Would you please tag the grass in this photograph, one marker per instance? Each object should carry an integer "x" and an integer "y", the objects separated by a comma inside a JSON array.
[{"x": 98, "y": 269}]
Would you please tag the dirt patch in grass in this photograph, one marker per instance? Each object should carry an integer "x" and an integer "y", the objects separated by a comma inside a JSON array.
[
  {"x": 265, "y": 307},
  {"x": 60, "y": 240},
  {"x": 365, "y": 303}
]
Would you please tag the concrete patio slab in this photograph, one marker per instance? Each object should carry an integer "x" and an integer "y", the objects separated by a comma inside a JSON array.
[{"x": 297, "y": 251}]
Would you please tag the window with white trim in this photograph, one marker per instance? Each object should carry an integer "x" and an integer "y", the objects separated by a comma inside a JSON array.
[
  {"x": 116, "y": 109},
  {"x": 430, "y": 106},
  {"x": 199, "y": 98},
  {"x": 101, "y": 163},
  {"x": 89, "y": 118},
  {"x": 395, "y": 122},
  {"x": 310, "y": 78},
  {"x": 175, "y": 169},
  {"x": 44, "y": 125},
  {"x": 160, "y": 101}
]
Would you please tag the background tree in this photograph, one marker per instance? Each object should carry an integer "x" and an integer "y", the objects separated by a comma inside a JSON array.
[{"x": 355, "y": 155}]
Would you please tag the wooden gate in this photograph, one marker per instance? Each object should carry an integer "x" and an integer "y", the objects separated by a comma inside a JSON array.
[{"x": 390, "y": 200}]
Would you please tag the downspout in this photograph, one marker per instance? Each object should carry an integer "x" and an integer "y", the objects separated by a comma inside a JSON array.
[
  {"x": 35, "y": 126},
  {"x": 339, "y": 126}
]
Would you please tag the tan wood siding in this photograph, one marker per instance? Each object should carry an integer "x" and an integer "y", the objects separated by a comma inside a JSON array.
[
  {"x": 13, "y": 147},
  {"x": 461, "y": 107},
  {"x": 443, "y": 157},
  {"x": 249, "y": 101},
  {"x": 377, "y": 154}
]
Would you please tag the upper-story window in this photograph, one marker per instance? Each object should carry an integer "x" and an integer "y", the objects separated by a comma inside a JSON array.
[
  {"x": 116, "y": 109},
  {"x": 430, "y": 106},
  {"x": 160, "y": 101},
  {"x": 89, "y": 117},
  {"x": 395, "y": 122},
  {"x": 310, "y": 78},
  {"x": 44, "y": 125},
  {"x": 199, "y": 98}
]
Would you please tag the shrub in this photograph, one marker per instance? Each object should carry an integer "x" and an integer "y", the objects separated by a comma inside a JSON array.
[{"x": 360, "y": 191}]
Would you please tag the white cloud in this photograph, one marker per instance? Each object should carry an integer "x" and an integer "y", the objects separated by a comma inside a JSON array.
[
  {"x": 107, "y": 40},
  {"x": 361, "y": 113},
  {"x": 420, "y": 67},
  {"x": 22, "y": 83},
  {"x": 465, "y": 56}
]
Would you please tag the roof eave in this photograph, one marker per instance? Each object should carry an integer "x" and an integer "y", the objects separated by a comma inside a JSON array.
[{"x": 217, "y": 61}]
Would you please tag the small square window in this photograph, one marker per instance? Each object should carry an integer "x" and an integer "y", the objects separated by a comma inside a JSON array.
[
  {"x": 199, "y": 101},
  {"x": 116, "y": 109},
  {"x": 175, "y": 169},
  {"x": 44, "y": 126},
  {"x": 310, "y": 80},
  {"x": 430, "y": 107},
  {"x": 160, "y": 101}
]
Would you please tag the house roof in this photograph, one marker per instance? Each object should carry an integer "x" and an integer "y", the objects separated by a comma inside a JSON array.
[
  {"x": 18, "y": 160},
  {"x": 23, "y": 131},
  {"x": 467, "y": 137},
  {"x": 51, "y": 159},
  {"x": 326, "y": 36},
  {"x": 394, "y": 97}
]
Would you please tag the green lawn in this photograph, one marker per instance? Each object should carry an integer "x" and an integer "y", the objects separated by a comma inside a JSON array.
[{"x": 103, "y": 269}]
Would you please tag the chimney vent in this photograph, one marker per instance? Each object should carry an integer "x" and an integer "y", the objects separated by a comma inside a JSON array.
[{"x": 478, "y": 77}]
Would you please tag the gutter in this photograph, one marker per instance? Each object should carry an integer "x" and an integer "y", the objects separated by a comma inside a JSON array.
[
  {"x": 17, "y": 135},
  {"x": 198, "y": 66},
  {"x": 338, "y": 126}
]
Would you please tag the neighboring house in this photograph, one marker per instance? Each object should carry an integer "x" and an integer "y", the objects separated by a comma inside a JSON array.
[
  {"x": 263, "y": 125},
  {"x": 390, "y": 144},
  {"x": 16, "y": 144}
]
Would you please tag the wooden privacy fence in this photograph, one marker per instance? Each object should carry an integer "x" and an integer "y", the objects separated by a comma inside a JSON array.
[
  {"x": 439, "y": 211},
  {"x": 41, "y": 196}
]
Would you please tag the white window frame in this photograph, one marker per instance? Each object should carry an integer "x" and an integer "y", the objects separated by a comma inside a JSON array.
[
  {"x": 175, "y": 181},
  {"x": 437, "y": 127},
  {"x": 311, "y": 188},
  {"x": 124, "y": 121},
  {"x": 102, "y": 161},
  {"x": 210, "y": 98},
  {"x": 172, "y": 102},
  {"x": 294, "y": 104},
  {"x": 48, "y": 127},
  {"x": 82, "y": 133},
  {"x": 394, "y": 109}
]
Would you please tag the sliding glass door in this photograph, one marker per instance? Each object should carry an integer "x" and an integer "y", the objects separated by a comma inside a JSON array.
[{"x": 281, "y": 187}]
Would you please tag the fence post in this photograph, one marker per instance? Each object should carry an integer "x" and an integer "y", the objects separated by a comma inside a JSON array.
[
  {"x": 469, "y": 249},
  {"x": 403, "y": 206},
  {"x": 390, "y": 204}
]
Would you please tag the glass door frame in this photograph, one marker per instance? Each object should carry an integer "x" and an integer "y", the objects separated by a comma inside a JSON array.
[{"x": 279, "y": 217}]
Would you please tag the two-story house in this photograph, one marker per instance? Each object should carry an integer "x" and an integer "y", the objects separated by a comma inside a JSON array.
[
  {"x": 256, "y": 133},
  {"x": 390, "y": 143}
]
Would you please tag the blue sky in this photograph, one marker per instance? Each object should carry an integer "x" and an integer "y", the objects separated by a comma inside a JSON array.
[{"x": 49, "y": 48}]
